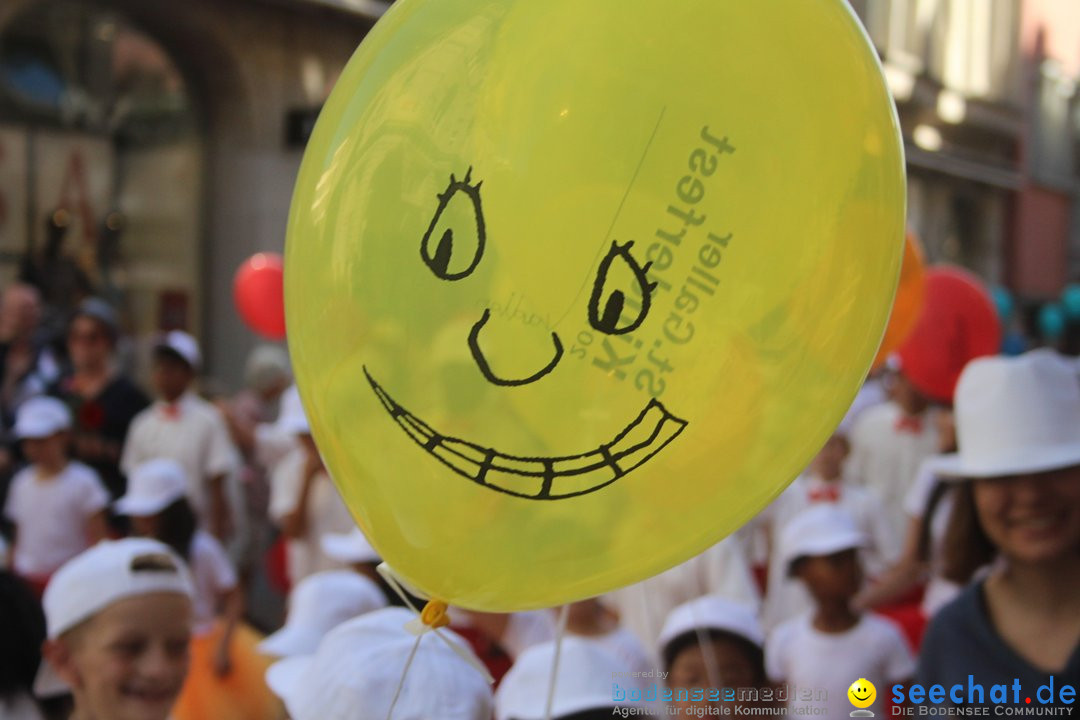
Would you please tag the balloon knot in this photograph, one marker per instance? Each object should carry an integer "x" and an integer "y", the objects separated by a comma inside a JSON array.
[{"x": 434, "y": 614}]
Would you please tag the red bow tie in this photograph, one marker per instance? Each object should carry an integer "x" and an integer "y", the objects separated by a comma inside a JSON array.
[
  {"x": 171, "y": 411},
  {"x": 909, "y": 423},
  {"x": 826, "y": 493}
]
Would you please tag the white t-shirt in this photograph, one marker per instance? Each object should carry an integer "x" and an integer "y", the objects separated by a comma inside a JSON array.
[
  {"x": 527, "y": 628},
  {"x": 786, "y": 597},
  {"x": 213, "y": 575},
  {"x": 720, "y": 570},
  {"x": 326, "y": 514},
  {"x": 195, "y": 435},
  {"x": 807, "y": 659},
  {"x": 886, "y": 457},
  {"x": 939, "y": 591},
  {"x": 51, "y": 516}
]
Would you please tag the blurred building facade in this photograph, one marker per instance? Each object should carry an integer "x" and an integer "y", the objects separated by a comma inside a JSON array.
[
  {"x": 986, "y": 93},
  {"x": 153, "y": 146}
]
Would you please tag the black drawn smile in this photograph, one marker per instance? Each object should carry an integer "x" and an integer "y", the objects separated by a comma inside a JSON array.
[{"x": 543, "y": 478}]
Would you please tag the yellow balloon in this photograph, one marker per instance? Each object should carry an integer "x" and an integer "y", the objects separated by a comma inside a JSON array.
[{"x": 574, "y": 288}]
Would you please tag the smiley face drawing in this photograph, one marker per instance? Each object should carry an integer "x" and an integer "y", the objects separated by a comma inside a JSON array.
[
  {"x": 643, "y": 437},
  {"x": 862, "y": 694},
  {"x": 559, "y": 317}
]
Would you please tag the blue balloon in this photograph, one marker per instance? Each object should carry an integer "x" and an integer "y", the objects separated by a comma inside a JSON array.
[
  {"x": 1003, "y": 301},
  {"x": 1070, "y": 301},
  {"x": 1052, "y": 321}
]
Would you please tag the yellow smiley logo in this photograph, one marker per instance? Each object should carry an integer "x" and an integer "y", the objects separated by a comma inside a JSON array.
[
  {"x": 553, "y": 300},
  {"x": 862, "y": 693}
]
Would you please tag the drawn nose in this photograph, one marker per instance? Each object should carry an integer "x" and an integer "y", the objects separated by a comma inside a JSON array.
[{"x": 485, "y": 368}]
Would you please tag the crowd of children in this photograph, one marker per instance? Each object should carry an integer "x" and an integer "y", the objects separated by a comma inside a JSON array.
[{"x": 911, "y": 553}]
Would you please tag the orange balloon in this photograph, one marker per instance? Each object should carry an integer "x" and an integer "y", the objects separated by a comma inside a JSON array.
[{"x": 908, "y": 301}]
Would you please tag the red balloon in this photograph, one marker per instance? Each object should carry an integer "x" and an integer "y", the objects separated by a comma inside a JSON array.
[
  {"x": 259, "y": 294},
  {"x": 958, "y": 323}
]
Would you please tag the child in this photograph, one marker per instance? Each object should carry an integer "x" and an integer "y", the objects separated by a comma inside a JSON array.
[
  {"x": 57, "y": 505},
  {"x": 317, "y": 605},
  {"x": 824, "y": 483},
  {"x": 709, "y": 644},
  {"x": 186, "y": 428},
  {"x": 1016, "y": 510},
  {"x": 118, "y": 622},
  {"x": 590, "y": 683},
  {"x": 832, "y": 646},
  {"x": 226, "y": 671},
  {"x": 304, "y": 502},
  {"x": 358, "y": 668}
]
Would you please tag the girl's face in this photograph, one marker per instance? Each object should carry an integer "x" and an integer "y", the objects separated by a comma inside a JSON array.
[
  {"x": 691, "y": 669},
  {"x": 1031, "y": 518},
  {"x": 130, "y": 660}
]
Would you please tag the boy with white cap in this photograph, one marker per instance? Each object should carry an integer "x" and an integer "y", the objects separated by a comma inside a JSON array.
[
  {"x": 183, "y": 426},
  {"x": 832, "y": 646},
  {"x": 118, "y": 621},
  {"x": 317, "y": 605},
  {"x": 304, "y": 502},
  {"x": 708, "y": 644},
  {"x": 57, "y": 505},
  {"x": 356, "y": 674}
]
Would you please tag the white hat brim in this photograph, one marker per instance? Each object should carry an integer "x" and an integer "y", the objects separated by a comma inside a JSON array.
[
  {"x": 283, "y": 677},
  {"x": 843, "y": 540},
  {"x": 289, "y": 641},
  {"x": 1023, "y": 461},
  {"x": 135, "y": 506}
]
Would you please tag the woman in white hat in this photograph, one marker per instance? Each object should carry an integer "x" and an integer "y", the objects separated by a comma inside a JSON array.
[{"x": 1017, "y": 516}]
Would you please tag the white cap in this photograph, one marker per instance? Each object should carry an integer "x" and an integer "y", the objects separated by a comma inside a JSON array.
[
  {"x": 823, "y": 529},
  {"x": 292, "y": 420},
  {"x": 1015, "y": 416},
  {"x": 41, "y": 417},
  {"x": 351, "y": 547},
  {"x": 358, "y": 665},
  {"x": 711, "y": 612},
  {"x": 583, "y": 681},
  {"x": 183, "y": 345},
  {"x": 107, "y": 573},
  {"x": 317, "y": 605},
  {"x": 152, "y": 487}
]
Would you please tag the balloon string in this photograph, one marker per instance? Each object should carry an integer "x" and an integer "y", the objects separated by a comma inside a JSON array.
[
  {"x": 431, "y": 618},
  {"x": 559, "y": 633},
  {"x": 712, "y": 671},
  {"x": 404, "y": 672}
]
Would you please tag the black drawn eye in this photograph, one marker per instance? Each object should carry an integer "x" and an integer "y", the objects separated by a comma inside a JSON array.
[
  {"x": 606, "y": 307},
  {"x": 454, "y": 241}
]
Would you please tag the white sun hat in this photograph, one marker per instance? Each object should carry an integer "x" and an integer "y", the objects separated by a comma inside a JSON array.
[
  {"x": 317, "y": 605},
  {"x": 583, "y": 682},
  {"x": 1015, "y": 416},
  {"x": 823, "y": 529},
  {"x": 357, "y": 668},
  {"x": 41, "y": 417},
  {"x": 711, "y": 612},
  {"x": 152, "y": 487},
  {"x": 351, "y": 547}
]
